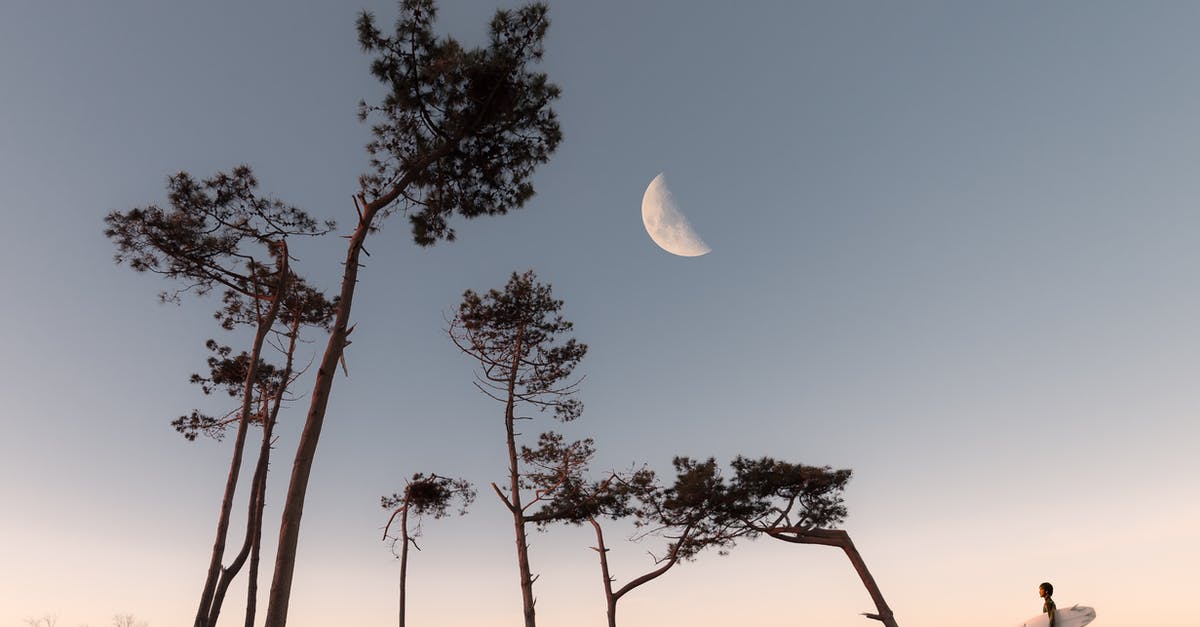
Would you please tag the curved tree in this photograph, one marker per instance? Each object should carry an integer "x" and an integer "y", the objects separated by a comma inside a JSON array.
[
  {"x": 800, "y": 504},
  {"x": 702, "y": 510}
]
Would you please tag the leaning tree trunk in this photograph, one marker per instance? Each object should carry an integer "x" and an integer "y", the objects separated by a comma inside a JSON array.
[
  {"x": 252, "y": 576},
  {"x": 257, "y": 485},
  {"x": 293, "y": 505},
  {"x": 841, "y": 539},
  {"x": 264, "y": 327},
  {"x": 264, "y": 461},
  {"x": 306, "y": 450},
  {"x": 258, "y": 488}
]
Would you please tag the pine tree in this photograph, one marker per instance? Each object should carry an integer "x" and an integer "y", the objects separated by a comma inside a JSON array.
[
  {"x": 459, "y": 132},
  {"x": 518, "y": 337},
  {"x": 800, "y": 504}
]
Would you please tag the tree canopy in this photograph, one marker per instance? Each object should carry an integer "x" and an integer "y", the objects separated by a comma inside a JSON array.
[{"x": 459, "y": 130}]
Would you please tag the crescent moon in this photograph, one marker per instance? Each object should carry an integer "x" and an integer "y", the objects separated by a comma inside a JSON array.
[{"x": 666, "y": 225}]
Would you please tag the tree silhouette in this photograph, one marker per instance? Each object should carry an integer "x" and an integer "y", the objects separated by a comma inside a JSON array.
[
  {"x": 215, "y": 234},
  {"x": 691, "y": 514},
  {"x": 800, "y": 504},
  {"x": 422, "y": 496},
  {"x": 701, "y": 510},
  {"x": 517, "y": 335},
  {"x": 459, "y": 131}
]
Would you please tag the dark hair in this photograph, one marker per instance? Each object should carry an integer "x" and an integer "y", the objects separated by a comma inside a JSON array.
[{"x": 1049, "y": 588}]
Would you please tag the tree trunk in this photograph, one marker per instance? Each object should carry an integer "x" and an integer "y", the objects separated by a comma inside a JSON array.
[
  {"x": 612, "y": 597},
  {"x": 841, "y": 539},
  {"x": 264, "y": 460},
  {"x": 252, "y": 584},
  {"x": 256, "y": 515},
  {"x": 258, "y": 487},
  {"x": 293, "y": 505},
  {"x": 652, "y": 575},
  {"x": 235, "y": 466},
  {"x": 228, "y": 573},
  {"x": 403, "y": 557},
  {"x": 514, "y": 500},
  {"x": 610, "y": 602},
  {"x": 527, "y": 600}
]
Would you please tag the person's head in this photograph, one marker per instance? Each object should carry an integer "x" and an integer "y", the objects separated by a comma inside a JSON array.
[{"x": 1045, "y": 589}]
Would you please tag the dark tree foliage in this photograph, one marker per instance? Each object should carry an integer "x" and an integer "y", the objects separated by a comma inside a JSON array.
[
  {"x": 301, "y": 303},
  {"x": 202, "y": 238},
  {"x": 770, "y": 493},
  {"x": 302, "y": 307},
  {"x": 693, "y": 513},
  {"x": 514, "y": 333},
  {"x": 459, "y": 131},
  {"x": 801, "y": 505},
  {"x": 223, "y": 369},
  {"x": 575, "y": 499},
  {"x": 430, "y": 495},
  {"x": 464, "y": 128},
  {"x": 518, "y": 337},
  {"x": 229, "y": 373},
  {"x": 700, "y": 510},
  {"x": 554, "y": 472}
]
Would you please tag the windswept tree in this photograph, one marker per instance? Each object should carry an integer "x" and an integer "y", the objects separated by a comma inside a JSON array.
[
  {"x": 802, "y": 505},
  {"x": 459, "y": 131},
  {"x": 701, "y": 510},
  {"x": 518, "y": 336},
  {"x": 219, "y": 233},
  {"x": 423, "y": 495}
]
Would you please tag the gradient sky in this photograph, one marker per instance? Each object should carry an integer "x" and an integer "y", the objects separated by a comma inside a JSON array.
[{"x": 955, "y": 248}]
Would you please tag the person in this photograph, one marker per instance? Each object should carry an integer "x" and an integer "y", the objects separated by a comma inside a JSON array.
[{"x": 1045, "y": 591}]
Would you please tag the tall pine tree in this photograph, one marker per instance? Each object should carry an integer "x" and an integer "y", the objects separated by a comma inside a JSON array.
[
  {"x": 525, "y": 361},
  {"x": 460, "y": 131}
]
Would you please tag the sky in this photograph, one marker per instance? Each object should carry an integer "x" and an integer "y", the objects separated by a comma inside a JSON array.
[{"x": 955, "y": 248}]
